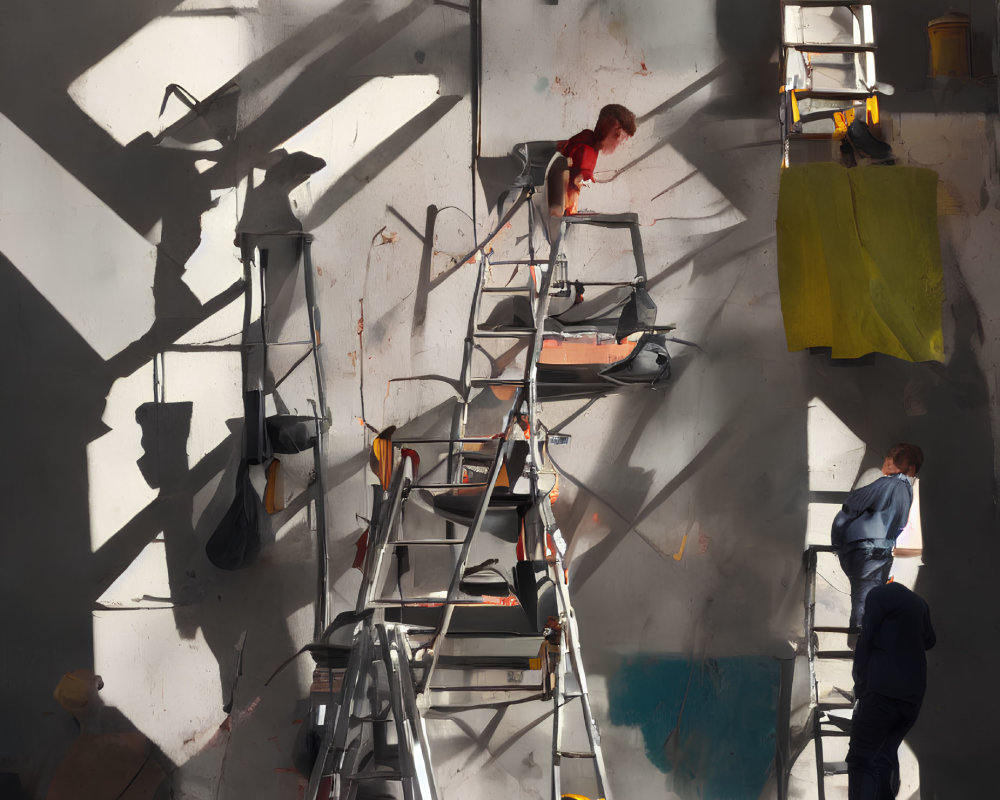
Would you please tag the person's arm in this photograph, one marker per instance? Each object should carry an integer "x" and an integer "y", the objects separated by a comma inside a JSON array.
[
  {"x": 930, "y": 638},
  {"x": 573, "y": 193}
]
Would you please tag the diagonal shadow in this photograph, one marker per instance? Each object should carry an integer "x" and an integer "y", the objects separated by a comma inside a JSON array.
[
  {"x": 115, "y": 555},
  {"x": 587, "y": 564},
  {"x": 376, "y": 162},
  {"x": 319, "y": 87}
]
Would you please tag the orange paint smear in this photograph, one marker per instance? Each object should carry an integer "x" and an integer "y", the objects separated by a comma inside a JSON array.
[{"x": 583, "y": 351}]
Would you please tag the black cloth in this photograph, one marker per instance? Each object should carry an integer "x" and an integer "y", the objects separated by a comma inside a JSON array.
[
  {"x": 890, "y": 676},
  {"x": 895, "y": 632},
  {"x": 877, "y": 731}
]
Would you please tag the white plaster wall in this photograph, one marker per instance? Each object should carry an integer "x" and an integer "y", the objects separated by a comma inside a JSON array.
[{"x": 686, "y": 509}]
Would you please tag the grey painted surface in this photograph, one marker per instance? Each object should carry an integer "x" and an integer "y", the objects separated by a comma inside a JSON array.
[{"x": 721, "y": 455}]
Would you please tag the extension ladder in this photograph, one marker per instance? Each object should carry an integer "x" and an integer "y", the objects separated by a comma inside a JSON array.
[
  {"x": 827, "y": 70},
  {"x": 829, "y": 717}
]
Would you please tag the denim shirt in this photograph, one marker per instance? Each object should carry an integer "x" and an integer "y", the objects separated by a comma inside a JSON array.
[{"x": 876, "y": 511}]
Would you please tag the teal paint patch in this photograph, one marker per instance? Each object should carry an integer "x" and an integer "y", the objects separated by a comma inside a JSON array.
[
  {"x": 541, "y": 84},
  {"x": 710, "y": 725}
]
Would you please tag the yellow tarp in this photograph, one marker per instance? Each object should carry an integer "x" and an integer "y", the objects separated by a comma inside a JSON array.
[{"x": 859, "y": 263}]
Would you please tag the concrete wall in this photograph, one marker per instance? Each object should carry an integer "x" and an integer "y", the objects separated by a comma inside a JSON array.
[{"x": 686, "y": 530}]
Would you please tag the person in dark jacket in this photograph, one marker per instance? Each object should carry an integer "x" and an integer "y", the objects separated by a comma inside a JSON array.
[
  {"x": 890, "y": 676},
  {"x": 865, "y": 530}
]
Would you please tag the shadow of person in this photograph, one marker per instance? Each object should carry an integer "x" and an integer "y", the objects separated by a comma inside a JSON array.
[
  {"x": 111, "y": 757},
  {"x": 164, "y": 466},
  {"x": 184, "y": 195}
]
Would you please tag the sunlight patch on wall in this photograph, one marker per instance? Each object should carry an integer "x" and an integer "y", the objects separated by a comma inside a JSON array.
[
  {"x": 216, "y": 264},
  {"x": 212, "y": 382},
  {"x": 82, "y": 257},
  {"x": 835, "y": 451},
  {"x": 144, "y": 582},
  {"x": 355, "y": 127},
  {"x": 168, "y": 687},
  {"x": 819, "y": 518},
  {"x": 117, "y": 488},
  {"x": 835, "y": 454},
  {"x": 123, "y": 91}
]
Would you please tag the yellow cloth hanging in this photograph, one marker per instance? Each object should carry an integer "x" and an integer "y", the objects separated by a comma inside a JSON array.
[{"x": 859, "y": 262}]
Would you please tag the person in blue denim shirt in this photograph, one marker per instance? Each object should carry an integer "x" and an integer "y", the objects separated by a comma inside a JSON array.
[{"x": 865, "y": 530}]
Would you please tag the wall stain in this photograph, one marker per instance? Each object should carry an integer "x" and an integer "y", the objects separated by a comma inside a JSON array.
[{"x": 709, "y": 725}]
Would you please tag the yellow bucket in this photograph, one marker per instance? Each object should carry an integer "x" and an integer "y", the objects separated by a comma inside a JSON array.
[{"x": 949, "y": 38}]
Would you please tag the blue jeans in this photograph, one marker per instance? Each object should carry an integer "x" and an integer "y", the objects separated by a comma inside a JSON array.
[
  {"x": 866, "y": 564},
  {"x": 877, "y": 731}
]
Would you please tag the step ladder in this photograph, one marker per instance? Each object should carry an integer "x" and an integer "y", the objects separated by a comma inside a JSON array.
[
  {"x": 823, "y": 722},
  {"x": 295, "y": 248},
  {"x": 407, "y": 656},
  {"x": 827, "y": 64}
]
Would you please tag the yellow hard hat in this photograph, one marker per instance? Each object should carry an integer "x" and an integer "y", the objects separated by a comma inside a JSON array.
[{"x": 76, "y": 689}]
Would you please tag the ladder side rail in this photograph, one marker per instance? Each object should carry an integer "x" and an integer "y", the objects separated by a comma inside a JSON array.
[
  {"x": 338, "y": 719},
  {"x": 360, "y": 680},
  {"x": 526, "y": 193},
  {"x": 390, "y": 534},
  {"x": 404, "y": 742},
  {"x": 572, "y": 644},
  {"x": 460, "y": 419},
  {"x": 557, "y": 722},
  {"x": 379, "y": 535},
  {"x": 322, "y": 545},
  {"x": 815, "y": 713},
  {"x": 410, "y": 731},
  {"x": 503, "y": 450},
  {"x": 315, "y": 332},
  {"x": 531, "y": 363},
  {"x": 637, "y": 251}
]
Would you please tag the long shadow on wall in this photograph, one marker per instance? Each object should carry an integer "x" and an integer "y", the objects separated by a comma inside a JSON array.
[
  {"x": 944, "y": 409},
  {"x": 53, "y": 400}
]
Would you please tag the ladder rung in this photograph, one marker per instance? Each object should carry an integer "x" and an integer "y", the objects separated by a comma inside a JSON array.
[
  {"x": 506, "y": 290},
  {"x": 822, "y": 3},
  {"x": 523, "y": 261},
  {"x": 835, "y": 654},
  {"x": 457, "y": 440},
  {"x": 575, "y": 754},
  {"x": 424, "y": 601},
  {"x": 505, "y": 333},
  {"x": 833, "y": 94},
  {"x": 477, "y": 382},
  {"x": 832, "y": 705},
  {"x": 445, "y": 485},
  {"x": 412, "y": 542},
  {"x": 834, "y": 629},
  {"x": 376, "y": 776},
  {"x": 506, "y": 687},
  {"x": 834, "y": 767},
  {"x": 834, "y": 733},
  {"x": 823, "y": 47}
]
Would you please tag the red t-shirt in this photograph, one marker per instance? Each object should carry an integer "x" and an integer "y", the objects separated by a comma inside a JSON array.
[{"x": 582, "y": 148}]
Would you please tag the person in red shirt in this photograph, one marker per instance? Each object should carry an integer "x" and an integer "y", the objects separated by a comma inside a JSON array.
[{"x": 615, "y": 124}]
